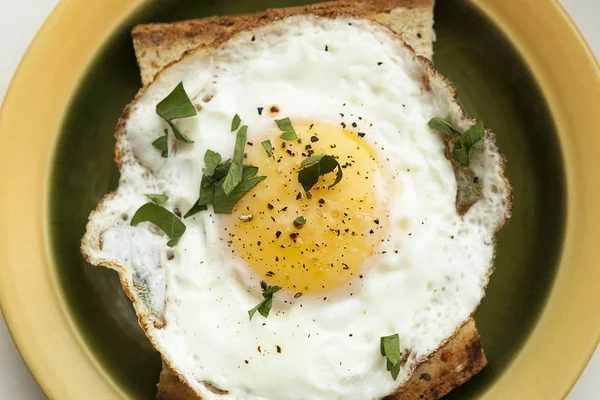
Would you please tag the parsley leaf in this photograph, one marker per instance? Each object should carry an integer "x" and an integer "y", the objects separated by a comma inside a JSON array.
[
  {"x": 285, "y": 125},
  {"x": 315, "y": 166},
  {"x": 223, "y": 203},
  {"x": 175, "y": 106},
  {"x": 207, "y": 191},
  {"x": 162, "y": 144},
  {"x": 235, "y": 123},
  {"x": 264, "y": 307},
  {"x": 207, "y": 187},
  {"x": 224, "y": 184},
  {"x": 299, "y": 222},
  {"x": 440, "y": 124},
  {"x": 390, "y": 348},
  {"x": 471, "y": 139},
  {"x": 196, "y": 208},
  {"x": 211, "y": 161},
  {"x": 460, "y": 154},
  {"x": 162, "y": 218},
  {"x": 393, "y": 368},
  {"x": 268, "y": 147},
  {"x": 211, "y": 190},
  {"x": 158, "y": 199},
  {"x": 234, "y": 175},
  {"x": 249, "y": 172}
]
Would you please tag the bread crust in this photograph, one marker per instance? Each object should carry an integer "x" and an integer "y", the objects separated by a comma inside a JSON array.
[{"x": 156, "y": 45}]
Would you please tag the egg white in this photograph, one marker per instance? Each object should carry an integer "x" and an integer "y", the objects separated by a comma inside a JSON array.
[{"x": 433, "y": 269}]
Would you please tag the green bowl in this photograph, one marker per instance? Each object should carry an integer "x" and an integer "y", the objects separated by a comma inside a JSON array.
[{"x": 495, "y": 86}]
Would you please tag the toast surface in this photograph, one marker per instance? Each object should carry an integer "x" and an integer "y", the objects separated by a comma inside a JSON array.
[{"x": 157, "y": 45}]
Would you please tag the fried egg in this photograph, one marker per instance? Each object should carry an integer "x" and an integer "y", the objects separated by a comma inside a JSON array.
[{"x": 385, "y": 251}]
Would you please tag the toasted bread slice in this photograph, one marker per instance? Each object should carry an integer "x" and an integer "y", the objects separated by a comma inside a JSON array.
[{"x": 157, "y": 45}]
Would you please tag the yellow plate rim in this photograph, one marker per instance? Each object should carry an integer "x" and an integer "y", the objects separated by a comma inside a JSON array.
[{"x": 549, "y": 362}]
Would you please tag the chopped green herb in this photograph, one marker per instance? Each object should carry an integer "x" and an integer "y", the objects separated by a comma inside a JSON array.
[
  {"x": 471, "y": 139},
  {"x": 207, "y": 193},
  {"x": 211, "y": 190},
  {"x": 390, "y": 348},
  {"x": 393, "y": 368},
  {"x": 315, "y": 166},
  {"x": 268, "y": 147},
  {"x": 211, "y": 161},
  {"x": 223, "y": 204},
  {"x": 176, "y": 105},
  {"x": 234, "y": 175},
  {"x": 264, "y": 307},
  {"x": 162, "y": 218},
  {"x": 299, "y": 222},
  {"x": 207, "y": 188},
  {"x": 158, "y": 199},
  {"x": 440, "y": 124},
  {"x": 224, "y": 184},
  {"x": 249, "y": 172},
  {"x": 162, "y": 144},
  {"x": 460, "y": 154},
  {"x": 235, "y": 123},
  {"x": 285, "y": 125},
  {"x": 196, "y": 208}
]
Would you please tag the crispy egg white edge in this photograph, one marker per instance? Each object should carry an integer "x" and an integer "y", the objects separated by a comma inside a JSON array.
[{"x": 488, "y": 164}]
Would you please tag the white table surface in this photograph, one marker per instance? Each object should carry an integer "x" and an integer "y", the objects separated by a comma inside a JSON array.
[{"x": 20, "y": 20}]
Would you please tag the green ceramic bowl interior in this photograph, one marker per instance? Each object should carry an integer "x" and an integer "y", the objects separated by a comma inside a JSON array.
[{"x": 495, "y": 86}]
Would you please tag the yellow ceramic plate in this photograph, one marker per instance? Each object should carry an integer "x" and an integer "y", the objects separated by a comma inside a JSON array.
[{"x": 541, "y": 319}]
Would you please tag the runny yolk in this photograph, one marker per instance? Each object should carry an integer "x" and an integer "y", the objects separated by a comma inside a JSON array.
[{"x": 344, "y": 224}]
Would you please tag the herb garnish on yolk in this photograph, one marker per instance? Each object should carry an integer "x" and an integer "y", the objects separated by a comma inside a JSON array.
[
  {"x": 315, "y": 166},
  {"x": 310, "y": 241},
  {"x": 268, "y": 147},
  {"x": 288, "y": 130}
]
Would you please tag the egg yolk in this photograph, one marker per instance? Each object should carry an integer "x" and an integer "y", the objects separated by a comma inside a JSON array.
[{"x": 344, "y": 224}]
